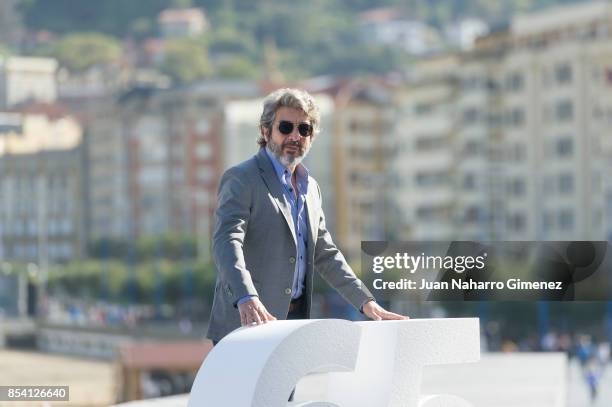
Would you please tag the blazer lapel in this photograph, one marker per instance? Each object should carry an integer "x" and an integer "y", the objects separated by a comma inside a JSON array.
[
  {"x": 312, "y": 205},
  {"x": 269, "y": 177}
]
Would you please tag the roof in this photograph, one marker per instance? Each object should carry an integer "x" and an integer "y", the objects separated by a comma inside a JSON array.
[
  {"x": 53, "y": 111},
  {"x": 165, "y": 355}
]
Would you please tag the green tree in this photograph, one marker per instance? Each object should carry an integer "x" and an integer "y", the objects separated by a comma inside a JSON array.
[
  {"x": 80, "y": 51},
  {"x": 227, "y": 40},
  {"x": 237, "y": 67},
  {"x": 113, "y": 17},
  {"x": 185, "y": 61}
]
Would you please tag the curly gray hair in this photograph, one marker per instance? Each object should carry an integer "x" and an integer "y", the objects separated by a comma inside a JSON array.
[{"x": 288, "y": 97}]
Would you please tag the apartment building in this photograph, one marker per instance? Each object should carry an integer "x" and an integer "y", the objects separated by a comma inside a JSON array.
[
  {"x": 41, "y": 187},
  {"x": 363, "y": 148},
  {"x": 556, "y": 104},
  {"x": 106, "y": 152},
  {"x": 522, "y": 120},
  {"x": 424, "y": 163},
  {"x": 27, "y": 79},
  {"x": 155, "y": 159}
]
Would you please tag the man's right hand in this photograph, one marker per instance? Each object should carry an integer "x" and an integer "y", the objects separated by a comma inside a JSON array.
[{"x": 253, "y": 312}]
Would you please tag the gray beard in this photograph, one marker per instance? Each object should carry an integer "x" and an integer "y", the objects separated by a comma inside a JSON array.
[{"x": 284, "y": 159}]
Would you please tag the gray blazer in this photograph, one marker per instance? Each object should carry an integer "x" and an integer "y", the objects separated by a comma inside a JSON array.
[{"x": 254, "y": 246}]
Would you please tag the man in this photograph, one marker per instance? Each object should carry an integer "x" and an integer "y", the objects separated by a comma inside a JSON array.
[{"x": 270, "y": 233}]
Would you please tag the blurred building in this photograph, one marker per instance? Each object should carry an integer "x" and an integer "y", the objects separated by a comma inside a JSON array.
[
  {"x": 463, "y": 34},
  {"x": 41, "y": 187},
  {"x": 513, "y": 136},
  {"x": 363, "y": 146},
  {"x": 155, "y": 159},
  {"x": 27, "y": 79},
  {"x": 240, "y": 130},
  {"x": 172, "y": 168},
  {"x": 478, "y": 180},
  {"x": 389, "y": 26},
  {"x": 177, "y": 23},
  {"x": 96, "y": 81},
  {"x": 446, "y": 154},
  {"x": 557, "y": 115},
  {"x": 106, "y": 152},
  {"x": 424, "y": 162}
]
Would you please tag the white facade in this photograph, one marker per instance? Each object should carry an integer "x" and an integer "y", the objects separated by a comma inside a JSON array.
[
  {"x": 530, "y": 145},
  {"x": 241, "y": 130},
  {"x": 107, "y": 168},
  {"x": 424, "y": 157},
  {"x": 176, "y": 23},
  {"x": 415, "y": 37},
  {"x": 41, "y": 188},
  {"x": 24, "y": 79},
  {"x": 556, "y": 105}
]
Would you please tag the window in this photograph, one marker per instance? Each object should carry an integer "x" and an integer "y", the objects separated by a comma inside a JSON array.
[
  {"x": 474, "y": 214},
  {"x": 469, "y": 181},
  {"x": 152, "y": 175},
  {"x": 514, "y": 82},
  {"x": 516, "y": 117},
  {"x": 432, "y": 212},
  {"x": 66, "y": 226},
  {"x": 429, "y": 142},
  {"x": 564, "y": 110},
  {"x": 18, "y": 227},
  {"x": 425, "y": 213},
  {"x": 566, "y": 183},
  {"x": 566, "y": 219},
  {"x": 517, "y": 152},
  {"x": 516, "y": 187},
  {"x": 423, "y": 109},
  {"x": 427, "y": 179},
  {"x": 472, "y": 148},
  {"x": 472, "y": 83},
  {"x": 609, "y": 76},
  {"x": 203, "y": 151},
  {"x": 516, "y": 221},
  {"x": 547, "y": 221},
  {"x": 494, "y": 119},
  {"x": 32, "y": 227},
  {"x": 563, "y": 74},
  {"x": 564, "y": 147},
  {"x": 470, "y": 115}
]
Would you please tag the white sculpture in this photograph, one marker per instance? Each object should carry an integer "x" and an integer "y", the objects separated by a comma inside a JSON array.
[
  {"x": 381, "y": 362},
  {"x": 392, "y": 356}
]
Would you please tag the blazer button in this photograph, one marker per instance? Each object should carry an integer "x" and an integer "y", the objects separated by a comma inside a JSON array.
[
  {"x": 287, "y": 291},
  {"x": 291, "y": 259}
]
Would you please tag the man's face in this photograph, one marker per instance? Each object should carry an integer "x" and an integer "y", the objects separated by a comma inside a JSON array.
[{"x": 289, "y": 149}]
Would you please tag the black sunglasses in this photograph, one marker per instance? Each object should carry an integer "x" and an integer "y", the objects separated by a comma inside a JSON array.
[{"x": 286, "y": 127}]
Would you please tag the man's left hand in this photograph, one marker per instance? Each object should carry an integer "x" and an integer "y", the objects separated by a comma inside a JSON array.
[{"x": 377, "y": 313}]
